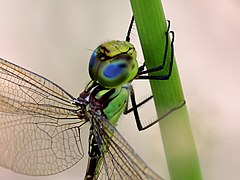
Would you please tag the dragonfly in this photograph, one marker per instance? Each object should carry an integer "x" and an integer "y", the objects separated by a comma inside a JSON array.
[{"x": 41, "y": 123}]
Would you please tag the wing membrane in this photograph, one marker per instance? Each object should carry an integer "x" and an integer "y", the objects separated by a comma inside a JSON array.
[
  {"x": 39, "y": 127},
  {"x": 120, "y": 162}
]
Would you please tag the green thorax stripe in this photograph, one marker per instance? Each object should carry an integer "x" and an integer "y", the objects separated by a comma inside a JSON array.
[{"x": 113, "y": 101}]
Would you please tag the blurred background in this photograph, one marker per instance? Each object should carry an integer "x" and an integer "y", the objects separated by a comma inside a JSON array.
[{"x": 55, "y": 38}]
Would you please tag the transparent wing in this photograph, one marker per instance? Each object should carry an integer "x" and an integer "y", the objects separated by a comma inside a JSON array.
[
  {"x": 39, "y": 127},
  {"x": 120, "y": 162}
]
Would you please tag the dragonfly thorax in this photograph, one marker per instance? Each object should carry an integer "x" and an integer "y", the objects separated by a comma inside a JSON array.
[
  {"x": 113, "y": 64},
  {"x": 97, "y": 100}
]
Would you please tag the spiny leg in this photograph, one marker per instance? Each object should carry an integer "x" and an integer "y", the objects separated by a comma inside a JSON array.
[
  {"x": 138, "y": 105},
  {"x": 141, "y": 71},
  {"x": 141, "y": 68},
  {"x": 129, "y": 29},
  {"x": 163, "y": 116},
  {"x": 135, "y": 106},
  {"x": 162, "y": 66}
]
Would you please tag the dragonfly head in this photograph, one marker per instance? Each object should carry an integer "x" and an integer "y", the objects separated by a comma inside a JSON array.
[{"x": 113, "y": 64}]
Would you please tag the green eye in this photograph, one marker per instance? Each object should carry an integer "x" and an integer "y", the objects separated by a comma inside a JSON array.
[{"x": 113, "y": 64}]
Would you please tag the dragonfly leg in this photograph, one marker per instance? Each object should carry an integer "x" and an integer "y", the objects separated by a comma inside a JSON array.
[
  {"x": 163, "y": 116},
  {"x": 141, "y": 71},
  {"x": 129, "y": 29},
  {"x": 135, "y": 106}
]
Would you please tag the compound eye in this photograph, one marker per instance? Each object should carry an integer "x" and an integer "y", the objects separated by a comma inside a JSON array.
[
  {"x": 113, "y": 64},
  {"x": 94, "y": 65},
  {"x": 114, "y": 70},
  {"x": 92, "y": 60}
]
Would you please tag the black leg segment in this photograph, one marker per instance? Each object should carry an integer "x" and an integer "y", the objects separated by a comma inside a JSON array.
[{"x": 141, "y": 70}]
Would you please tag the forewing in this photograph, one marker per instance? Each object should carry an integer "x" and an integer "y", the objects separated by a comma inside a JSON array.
[
  {"x": 39, "y": 127},
  {"x": 120, "y": 162}
]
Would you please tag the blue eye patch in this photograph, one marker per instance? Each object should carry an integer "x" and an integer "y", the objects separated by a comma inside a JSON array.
[{"x": 113, "y": 70}]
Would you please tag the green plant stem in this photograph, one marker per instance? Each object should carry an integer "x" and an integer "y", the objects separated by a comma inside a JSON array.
[{"x": 176, "y": 132}]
